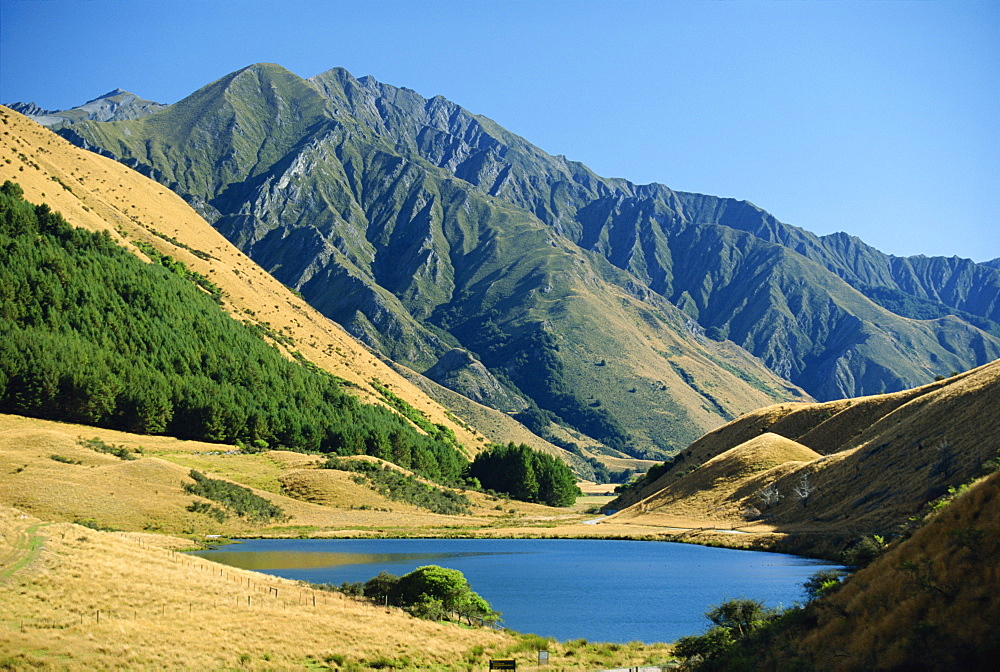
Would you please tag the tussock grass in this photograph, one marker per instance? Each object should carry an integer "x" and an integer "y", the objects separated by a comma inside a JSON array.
[
  {"x": 930, "y": 603},
  {"x": 843, "y": 470},
  {"x": 102, "y": 600}
]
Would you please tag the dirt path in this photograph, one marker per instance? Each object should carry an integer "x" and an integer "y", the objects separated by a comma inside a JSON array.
[{"x": 22, "y": 545}]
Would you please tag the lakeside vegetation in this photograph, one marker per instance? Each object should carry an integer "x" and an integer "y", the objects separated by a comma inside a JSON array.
[
  {"x": 525, "y": 474},
  {"x": 431, "y": 592}
]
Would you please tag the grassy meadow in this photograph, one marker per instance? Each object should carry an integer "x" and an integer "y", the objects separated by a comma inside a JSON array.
[{"x": 162, "y": 609}]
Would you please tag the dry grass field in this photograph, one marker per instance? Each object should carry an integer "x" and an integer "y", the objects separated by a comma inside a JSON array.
[
  {"x": 49, "y": 472},
  {"x": 100, "y": 600},
  {"x": 835, "y": 471},
  {"x": 80, "y": 599},
  {"x": 160, "y": 609}
]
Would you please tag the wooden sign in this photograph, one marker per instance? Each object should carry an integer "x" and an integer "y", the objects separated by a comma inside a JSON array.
[{"x": 503, "y": 664}]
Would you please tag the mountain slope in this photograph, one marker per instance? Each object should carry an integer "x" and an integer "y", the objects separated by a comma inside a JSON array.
[
  {"x": 636, "y": 227},
  {"x": 929, "y": 603},
  {"x": 414, "y": 262},
  {"x": 422, "y": 228},
  {"x": 101, "y": 195},
  {"x": 827, "y": 474},
  {"x": 112, "y": 106}
]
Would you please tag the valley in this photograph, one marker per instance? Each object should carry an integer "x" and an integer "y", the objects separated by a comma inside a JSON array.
[{"x": 448, "y": 286}]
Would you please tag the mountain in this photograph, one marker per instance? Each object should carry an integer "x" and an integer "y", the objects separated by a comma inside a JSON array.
[
  {"x": 94, "y": 193},
  {"x": 112, "y": 106},
  {"x": 823, "y": 476},
  {"x": 624, "y": 311}
]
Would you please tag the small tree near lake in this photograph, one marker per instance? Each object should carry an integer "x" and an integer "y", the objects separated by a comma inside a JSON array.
[{"x": 431, "y": 592}]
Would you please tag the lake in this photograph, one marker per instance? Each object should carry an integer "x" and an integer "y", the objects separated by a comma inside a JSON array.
[{"x": 600, "y": 590}]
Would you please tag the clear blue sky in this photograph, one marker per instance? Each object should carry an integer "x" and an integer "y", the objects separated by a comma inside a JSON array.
[{"x": 881, "y": 119}]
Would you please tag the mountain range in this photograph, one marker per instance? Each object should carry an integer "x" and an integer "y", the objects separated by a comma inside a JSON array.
[
  {"x": 805, "y": 477},
  {"x": 609, "y": 317},
  {"x": 112, "y": 106}
]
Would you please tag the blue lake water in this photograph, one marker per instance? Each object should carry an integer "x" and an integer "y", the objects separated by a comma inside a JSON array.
[{"x": 600, "y": 590}]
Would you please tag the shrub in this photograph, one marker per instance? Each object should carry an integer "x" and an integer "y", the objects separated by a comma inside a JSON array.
[
  {"x": 241, "y": 500},
  {"x": 863, "y": 551},
  {"x": 823, "y": 582},
  {"x": 402, "y": 487},
  {"x": 121, "y": 452},
  {"x": 208, "y": 510},
  {"x": 704, "y": 646}
]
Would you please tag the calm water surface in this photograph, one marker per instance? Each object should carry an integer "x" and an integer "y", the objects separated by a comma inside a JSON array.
[{"x": 607, "y": 591}]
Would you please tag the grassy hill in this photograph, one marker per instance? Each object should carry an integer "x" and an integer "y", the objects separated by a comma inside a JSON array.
[
  {"x": 930, "y": 603},
  {"x": 823, "y": 476},
  {"x": 927, "y": 602},
  {"x": 100, "y": 195}
]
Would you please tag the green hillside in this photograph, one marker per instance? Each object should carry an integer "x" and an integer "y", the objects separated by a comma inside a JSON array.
[
  {"x": 91, "y": 334},
  {"x": 629, "y": 313}
]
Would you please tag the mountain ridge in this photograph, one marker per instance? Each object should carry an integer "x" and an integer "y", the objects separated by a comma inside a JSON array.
[
  {"x": 411, "y": 221},
  {"x": 114, "y": 105}
]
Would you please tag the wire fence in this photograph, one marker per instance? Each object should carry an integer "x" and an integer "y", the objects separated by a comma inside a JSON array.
[{"x": 254, "y": 594}]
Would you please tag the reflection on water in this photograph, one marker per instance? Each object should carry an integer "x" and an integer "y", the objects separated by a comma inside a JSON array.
[
  {"x": 265, "y": 560},
  {"x": 600, "y": 590}
]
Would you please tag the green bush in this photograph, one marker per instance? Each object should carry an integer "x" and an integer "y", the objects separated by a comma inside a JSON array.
[
  {"x": 241, "y": 500},
  {"x": 864, "y": 550},
  {"x": 823, "y": 582},
  {"x": 734, "y": 623},
  {"x": 402, "y": 487},
  {"x": 121, "y": 452},
  {"x": 430, "y": 592},
  {"x": 208, "y": 510}
]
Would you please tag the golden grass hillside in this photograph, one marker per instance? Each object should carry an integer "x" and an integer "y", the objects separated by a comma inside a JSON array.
[
  {"x": 80, "y": 599},
  {"x": 47, "y": 470},
  {"x": 99, "y": 600},
  {"x": 96, "y": 193},
  {"x": 929, "y": 604},
  {"x": 830, "y": 473}
]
